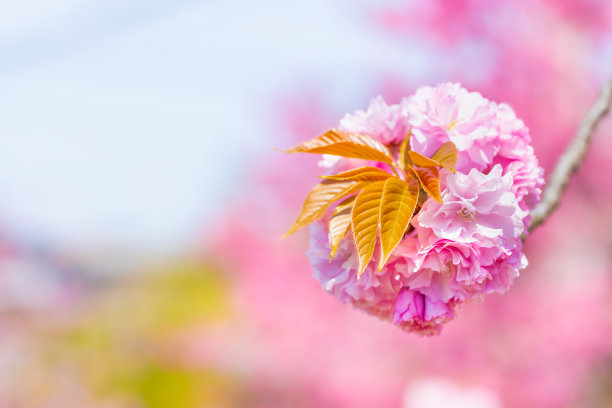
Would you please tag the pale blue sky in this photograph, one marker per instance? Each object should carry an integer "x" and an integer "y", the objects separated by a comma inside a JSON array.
[{"x": 119, "y": 119}]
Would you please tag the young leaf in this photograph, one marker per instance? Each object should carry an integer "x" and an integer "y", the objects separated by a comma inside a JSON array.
[
  {"x": 320, "y": 197},
  {"x": 339, "y": 224},
  {"x": 365, "y": 220},
  {"x": 339, "y": 143},
  {"x": 430, "y": 180},
  {"x": 398, "y": 203},
  {"x": 446, "y": 155},
  {"x": 367, "y": 173},
  {"x": 422, "y": 161}
]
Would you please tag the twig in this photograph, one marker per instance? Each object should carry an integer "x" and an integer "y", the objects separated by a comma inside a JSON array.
[{"x": 570, "y": 161}]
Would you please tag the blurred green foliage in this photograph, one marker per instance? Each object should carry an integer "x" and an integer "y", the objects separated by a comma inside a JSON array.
[{"x": 122, "y": 346}]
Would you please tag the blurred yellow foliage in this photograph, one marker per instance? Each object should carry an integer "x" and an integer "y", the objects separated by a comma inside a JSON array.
[{"x": 121, "y": 349}]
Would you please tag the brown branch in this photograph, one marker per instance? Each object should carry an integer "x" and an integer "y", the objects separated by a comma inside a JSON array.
[{"x": 570, "y": 161}]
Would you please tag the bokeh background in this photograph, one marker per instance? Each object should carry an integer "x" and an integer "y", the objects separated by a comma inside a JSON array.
[{"x": 142, "y": 204}]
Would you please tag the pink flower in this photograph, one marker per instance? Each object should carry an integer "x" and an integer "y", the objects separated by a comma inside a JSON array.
[
  {"x": 517, "y": 157},
  {"x": 505, "y": 269},
  {"x": 528, "y": 178},
  {"x": 373, "y": 292},
  {"x": 449, "y": 273},
  {"x": 451, "y": 270},
  {"x": 417, "y": 312},
  {"x": 387, "y": 123},
  {"x": 477, "y": 207},
  {"x": 449, "y": 112}
]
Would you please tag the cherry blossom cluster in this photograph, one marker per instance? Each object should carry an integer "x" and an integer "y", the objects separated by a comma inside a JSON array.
[{"x": 454, "y": 252}]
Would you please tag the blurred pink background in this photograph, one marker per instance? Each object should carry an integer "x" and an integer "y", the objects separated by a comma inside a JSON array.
[{"x": 142, "y": 204}]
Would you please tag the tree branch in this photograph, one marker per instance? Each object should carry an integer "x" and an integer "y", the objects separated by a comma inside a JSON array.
[{"x": 570, "y": 161}]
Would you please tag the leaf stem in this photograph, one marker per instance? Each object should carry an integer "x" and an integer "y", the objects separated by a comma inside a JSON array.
[{"x": 395, "y": 171}]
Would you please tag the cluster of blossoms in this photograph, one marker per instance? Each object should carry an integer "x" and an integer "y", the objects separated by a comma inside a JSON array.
[{"x": 456, "y": 251}]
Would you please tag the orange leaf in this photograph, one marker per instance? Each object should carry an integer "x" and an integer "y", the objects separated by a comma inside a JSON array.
[
  {"x": 320, "y": 197},
  {"x": 367, "y": 173},
  {"x": 339, "y": 224},
  {"x": 446, "y": 155},
  {"x": 339, "y": 143},
  {"x": 429, "y": 179},
  {"x": 422, "y": 161},
  {"x": 398, "y": 203},
  {"x": 364, "y": 222}
]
